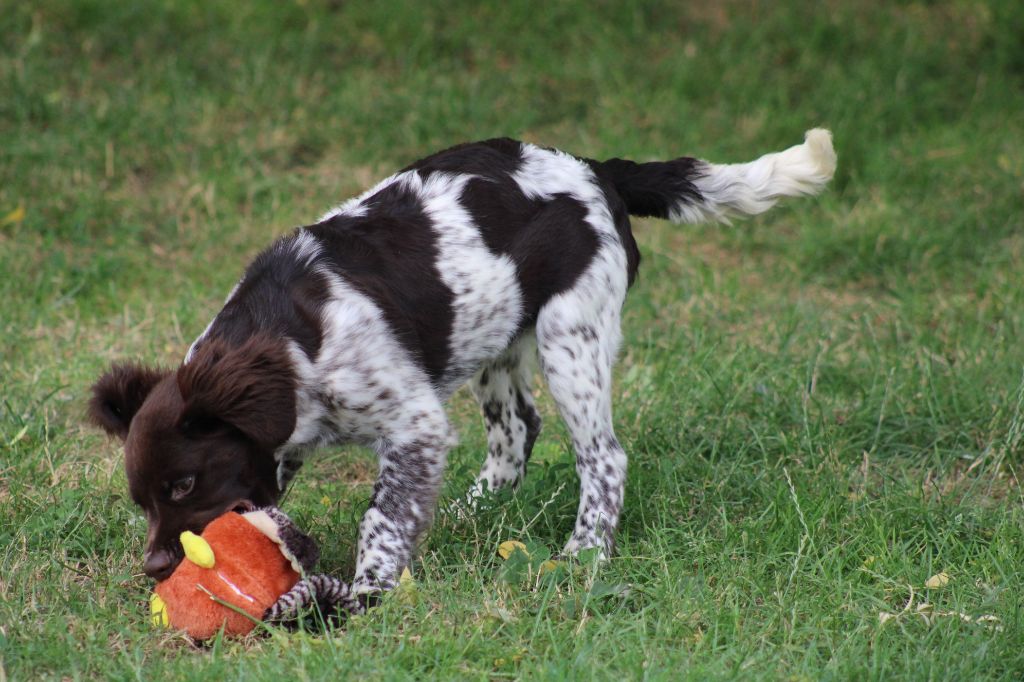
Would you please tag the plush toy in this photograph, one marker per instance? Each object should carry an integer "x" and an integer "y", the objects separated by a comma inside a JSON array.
[{"x": 245, "y": 568}]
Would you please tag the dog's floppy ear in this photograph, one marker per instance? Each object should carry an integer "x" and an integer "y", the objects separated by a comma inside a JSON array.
[
  {"x": 118, "y": 395},
  {"x": 249, "y": 387}
]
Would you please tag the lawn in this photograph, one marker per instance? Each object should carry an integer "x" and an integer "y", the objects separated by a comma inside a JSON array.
[{"x": 824, "y": 406}]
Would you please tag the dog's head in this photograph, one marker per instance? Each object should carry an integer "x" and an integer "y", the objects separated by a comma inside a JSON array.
[{"x": 199, "y": 440}]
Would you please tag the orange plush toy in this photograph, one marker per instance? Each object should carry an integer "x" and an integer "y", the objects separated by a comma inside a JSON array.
[{"x": 254, "y": 562}]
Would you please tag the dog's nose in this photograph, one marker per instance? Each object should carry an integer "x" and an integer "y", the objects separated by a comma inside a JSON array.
[{"x": 159, "y": 564}]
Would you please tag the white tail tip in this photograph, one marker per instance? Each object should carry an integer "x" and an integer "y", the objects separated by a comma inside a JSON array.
[{"x": 818, "y": 142}]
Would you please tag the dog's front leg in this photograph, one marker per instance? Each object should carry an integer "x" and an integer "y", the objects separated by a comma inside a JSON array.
[{"x": 402, "y": 507}]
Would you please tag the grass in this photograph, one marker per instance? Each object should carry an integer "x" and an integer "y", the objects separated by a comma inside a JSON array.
[{"x": 824, "y": 407}]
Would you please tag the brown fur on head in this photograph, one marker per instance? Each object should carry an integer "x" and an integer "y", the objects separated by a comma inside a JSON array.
[{"x": 199, "y": 441}]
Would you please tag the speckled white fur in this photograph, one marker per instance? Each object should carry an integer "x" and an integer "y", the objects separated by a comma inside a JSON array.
[
  {"x": 503, "y": 389},
  {"x": 578, "y": 337},
  {"x": 365, "y": 386}
]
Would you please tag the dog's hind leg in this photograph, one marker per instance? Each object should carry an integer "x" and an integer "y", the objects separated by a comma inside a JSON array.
[
  {"x": 503, "y": 389},
  {"x": 578, "y": 337}
]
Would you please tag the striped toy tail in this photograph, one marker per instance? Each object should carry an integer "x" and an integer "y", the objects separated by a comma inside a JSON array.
[{"x": 324, "y": 593}]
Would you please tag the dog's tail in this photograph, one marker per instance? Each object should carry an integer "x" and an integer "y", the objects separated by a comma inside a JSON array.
[{"x": 689, "y": 190}]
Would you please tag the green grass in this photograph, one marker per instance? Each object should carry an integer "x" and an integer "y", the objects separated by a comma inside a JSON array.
[{"x": 824, "y": 407}]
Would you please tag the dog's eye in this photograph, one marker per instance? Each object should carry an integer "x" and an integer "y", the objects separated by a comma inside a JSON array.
[{"x": 182, "y": 487}]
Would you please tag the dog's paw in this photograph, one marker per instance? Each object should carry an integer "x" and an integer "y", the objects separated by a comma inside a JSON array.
[{"x": 586, "y": 552}]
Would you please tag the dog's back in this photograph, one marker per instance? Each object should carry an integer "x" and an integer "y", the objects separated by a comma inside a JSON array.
[{"x": 461, "y": 250}]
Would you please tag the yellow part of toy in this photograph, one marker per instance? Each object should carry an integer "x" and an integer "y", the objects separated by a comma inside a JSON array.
[
  {"x": 158, "y": 611},
  {"x": 197, "y": 550}
]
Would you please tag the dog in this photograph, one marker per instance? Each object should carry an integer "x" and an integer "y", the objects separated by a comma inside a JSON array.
[{"x": 464, "y": 267}]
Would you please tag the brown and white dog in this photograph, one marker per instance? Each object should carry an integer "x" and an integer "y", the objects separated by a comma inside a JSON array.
[{"x": 462, "y": 267}]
